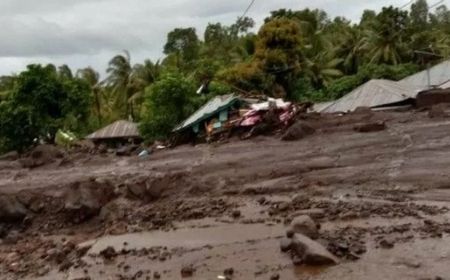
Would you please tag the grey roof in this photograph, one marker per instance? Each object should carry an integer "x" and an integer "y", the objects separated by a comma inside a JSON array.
[
  {"x": 213, "y": 106},
  {"x": 319, "y": 107},
  {"x": 118, "y": 129},
  {"x": 445, "y": 85},
  {"x": 372, "y": 94},
  {"x": 439, "y": 74}
]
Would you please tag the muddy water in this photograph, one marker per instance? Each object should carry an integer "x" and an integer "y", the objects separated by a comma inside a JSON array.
[
  {"x": 260, "y": 257},
  {"x": 190, "y": 238}
]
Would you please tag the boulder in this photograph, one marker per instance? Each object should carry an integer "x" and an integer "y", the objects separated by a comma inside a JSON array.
[
  {"x": 370, "y": 127},
  {"x": 306, "y": 226},
  {"x": 147, "y": 188},
  {"x": 10, "y": 156},
  {"x": 285, "y": 244},
  {"x": 298, "y": 131},
  {"x": 42, "y": 155},
  {"x": 11, "y": 210},
  {"x": 311, "y": 252},
  {"x": 84, "y": 200}
]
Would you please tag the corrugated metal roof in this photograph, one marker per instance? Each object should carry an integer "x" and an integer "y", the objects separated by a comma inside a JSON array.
[
  {"x": 213, "y": 106},
  {"x": 118, "y": 129},
  {"x": 319, "y": 107},
  {"x": 439, "y": 74},
  {"x": 371, "y": 94},
  {"x": 445, "y": 85}
]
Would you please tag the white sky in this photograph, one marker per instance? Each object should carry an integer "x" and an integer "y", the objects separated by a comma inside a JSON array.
[{"x": 84, "y": 33}]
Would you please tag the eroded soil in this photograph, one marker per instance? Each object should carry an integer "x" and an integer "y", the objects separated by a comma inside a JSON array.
[{"x": 381, "y": 198}]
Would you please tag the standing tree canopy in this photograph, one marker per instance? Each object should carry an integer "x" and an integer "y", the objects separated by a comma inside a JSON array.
[
  {"x": 167, "y": 103},
  {"x": 42, "y": 102}
]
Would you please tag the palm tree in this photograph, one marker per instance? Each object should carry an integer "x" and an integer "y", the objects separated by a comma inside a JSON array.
[
  {"x": 119, "y": 79},
  {"x": 322, "y": 68},
  {"x": 142, "y": 76},
  {"x": 382, "y": 48},
  {"x": 350, "y": 49},
  {"x": 93, "y": 79}
]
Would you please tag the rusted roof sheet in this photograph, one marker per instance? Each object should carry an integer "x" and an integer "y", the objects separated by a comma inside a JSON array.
[
  {"x": 118, "y": 129},
  {"x": 372, "y": 94}
]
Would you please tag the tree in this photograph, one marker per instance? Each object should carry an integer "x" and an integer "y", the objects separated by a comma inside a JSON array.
[
  {"x": 92, "y": 78},
  {"x": 184, "y": 44},
  {"x": 119, "y": 79},
  {"x": 42, "y": 102},
  {"x": 143, "y": 75},
  {"x": 167, "y": 103},
  {"x": 278, "y": 51},
  {"x": 419, "y": 16},
  {"x": 384, "y": 43}
]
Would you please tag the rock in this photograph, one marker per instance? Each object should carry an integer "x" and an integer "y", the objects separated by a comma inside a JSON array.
[
  {"x": 187, "y": 271},
  {"x": 156, "y": 275},
  {"x": 108, "y": 253},
  {"x": 43, "y": 271},
  {"x": 386, "y": 243},
  {"x": 126, "y": 150},
  {"x": 82, "y": 249},
  {"x": 228, "y": 272},
  {"x": 290, "y": 233},
  {"x": 261, "y": 200},
  {"x": 236, "y": 214},
  {"x": 285, "y": 244},
  {"x": 314, "y": 213},
  {"x": 147, "y": 188},
  {"x": 84, "y": 200},
  {"x": 370, "y": 127},
  {"x": 12, "y": 237},
  {"x": 311, "y": 252},
  {"x": 284, "y": 206},
  {"x": 11, "y": 210},
  {"x": 306, "y": 226},
  {"x": 41, "y": 155},
  {"x": 298, "y": 131},
  {"x": 275, "y": 276},
  {"x": 11, "y": 156}
]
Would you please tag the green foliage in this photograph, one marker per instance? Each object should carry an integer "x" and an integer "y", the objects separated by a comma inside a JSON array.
[
  {"x": 184, "y": 45},
  {"x": 297, "y": 54},
  {"x": 42, "y": 101},
  {"x": 167, "y": 102}
]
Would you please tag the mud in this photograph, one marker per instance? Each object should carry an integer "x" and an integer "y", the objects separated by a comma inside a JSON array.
[{"x": 380, "y": 198}]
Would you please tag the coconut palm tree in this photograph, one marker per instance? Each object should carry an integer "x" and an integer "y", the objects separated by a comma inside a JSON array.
[
  {"x": 119, "y": 79},
  {"x": 142, "y": 76},
  {"x": 92, "y": 77}
]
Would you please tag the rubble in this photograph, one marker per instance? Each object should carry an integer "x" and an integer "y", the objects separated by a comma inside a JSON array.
[
  {"x": 11, "y": 210},
  {"x": 298, "y": 131},
  {"x": 370, "y": 127}
]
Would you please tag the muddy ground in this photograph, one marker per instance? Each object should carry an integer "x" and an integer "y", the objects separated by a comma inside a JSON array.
[{"x": 381, "y": 198}]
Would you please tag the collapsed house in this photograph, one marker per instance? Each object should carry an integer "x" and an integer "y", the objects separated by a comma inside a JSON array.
[
  {"x": 117, "y": 133},
  {"x": 373, "y": 94},
  {"x": 215, "y": 116},
  {"x": 434, "y": 77},
  {"x": 223, "y": 115},
  {"x": 383, "y": 94}
]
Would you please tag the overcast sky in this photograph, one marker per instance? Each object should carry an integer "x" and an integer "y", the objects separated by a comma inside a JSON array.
[{"x": 84, "y": 33}]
